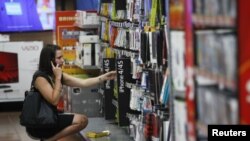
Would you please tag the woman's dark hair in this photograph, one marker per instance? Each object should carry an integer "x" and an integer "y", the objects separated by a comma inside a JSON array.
[{"x": 47, "y": 55}]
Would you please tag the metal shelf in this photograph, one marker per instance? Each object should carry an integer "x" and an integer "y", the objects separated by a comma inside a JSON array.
[
  {"x": 94, "y": 26},
  {"x": 220, "y": 80},
  {"x": 86, "y": 67}
]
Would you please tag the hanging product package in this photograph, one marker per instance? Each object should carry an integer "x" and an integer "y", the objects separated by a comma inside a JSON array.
[{"x": 37, "y": 112}]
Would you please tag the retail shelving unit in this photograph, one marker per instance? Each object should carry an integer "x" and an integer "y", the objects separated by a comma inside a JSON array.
[
  {"x": 141, "y": 91},
  {"x": 88, "y": 46},
  {"x": 216, "y": 64},
  {"x": 116, "y": 93},
  {"x": 70, "y": 25}
]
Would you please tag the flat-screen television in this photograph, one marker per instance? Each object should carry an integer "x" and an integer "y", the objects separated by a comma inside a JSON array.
[
  {"x": 8, "y": 67},
  {"x": 27, "y": 15}
]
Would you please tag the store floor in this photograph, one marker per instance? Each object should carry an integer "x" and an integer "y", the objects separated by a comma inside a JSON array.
[{"x": 10, "y": 129}]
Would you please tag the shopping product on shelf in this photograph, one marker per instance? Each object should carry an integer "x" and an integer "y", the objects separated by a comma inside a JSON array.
[
  {"x": 92, "y": 134},
  {"x": 135, "y": 31}
]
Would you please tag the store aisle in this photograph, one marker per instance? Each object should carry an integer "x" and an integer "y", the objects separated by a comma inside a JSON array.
[{"x": 10, "y": 130}]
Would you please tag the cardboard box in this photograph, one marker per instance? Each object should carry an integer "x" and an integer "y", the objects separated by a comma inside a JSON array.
[{"x": 89, "y": 39}]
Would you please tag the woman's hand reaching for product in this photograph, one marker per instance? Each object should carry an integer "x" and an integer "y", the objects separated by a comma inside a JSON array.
[
  {"x": 57, "y": 71},
  {"x": 107, "y": 76}
]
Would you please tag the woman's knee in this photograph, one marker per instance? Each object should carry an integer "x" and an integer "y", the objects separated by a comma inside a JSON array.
[
  {"x": 81, "y": 121},
  {"x": 84, "y": 121}
]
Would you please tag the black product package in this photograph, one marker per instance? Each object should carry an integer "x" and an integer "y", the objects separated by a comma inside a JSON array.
[
  {"x": 160, "y": 47},
  {"x": 144, "y": 47}
]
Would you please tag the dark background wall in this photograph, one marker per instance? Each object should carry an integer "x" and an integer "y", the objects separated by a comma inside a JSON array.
[{"x": 87, "y": 4}]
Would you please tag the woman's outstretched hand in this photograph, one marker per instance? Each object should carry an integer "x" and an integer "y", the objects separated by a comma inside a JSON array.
[{"x": 108, "y": 76}]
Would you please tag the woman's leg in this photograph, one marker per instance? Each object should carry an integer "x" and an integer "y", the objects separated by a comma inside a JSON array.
[
  {"x": 74, "y": 137},
  {"x": 79, "y": 123}
]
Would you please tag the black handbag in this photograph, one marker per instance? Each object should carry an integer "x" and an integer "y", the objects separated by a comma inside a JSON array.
[{"x": 36, "y": 111}]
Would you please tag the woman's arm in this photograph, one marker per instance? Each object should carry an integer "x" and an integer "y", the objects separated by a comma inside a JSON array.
[
  {"x": 77, "y": 82},
  {"x": 52, "y": 95}
]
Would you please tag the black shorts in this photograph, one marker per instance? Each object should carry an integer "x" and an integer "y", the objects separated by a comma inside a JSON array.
[{"x": 64, "y": 120}]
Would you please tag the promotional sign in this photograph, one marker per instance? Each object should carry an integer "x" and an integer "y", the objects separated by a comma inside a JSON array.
[
  {"x": 66, "y": 37},
  {"x": 108, "y": 65},
  {"x": 18, "y": 62},
  {"x": 123, "y": 76},
  {"x": 244, "y": 61},
  {"x": 66, "y": 32}
]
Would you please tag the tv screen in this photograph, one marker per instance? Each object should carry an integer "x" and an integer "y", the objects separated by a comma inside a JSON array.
[
  {"x": 8, "y": 67},
  {"x": 26, "y": 15}
]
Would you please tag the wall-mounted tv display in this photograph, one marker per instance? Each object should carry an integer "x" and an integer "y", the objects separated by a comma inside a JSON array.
[
  {"x": 27, "y": 15},
  {"x": 8, "y": 67}
]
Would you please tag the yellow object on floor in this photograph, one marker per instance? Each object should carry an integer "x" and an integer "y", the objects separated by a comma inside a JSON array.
[{"x": 97, "y": 134}]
